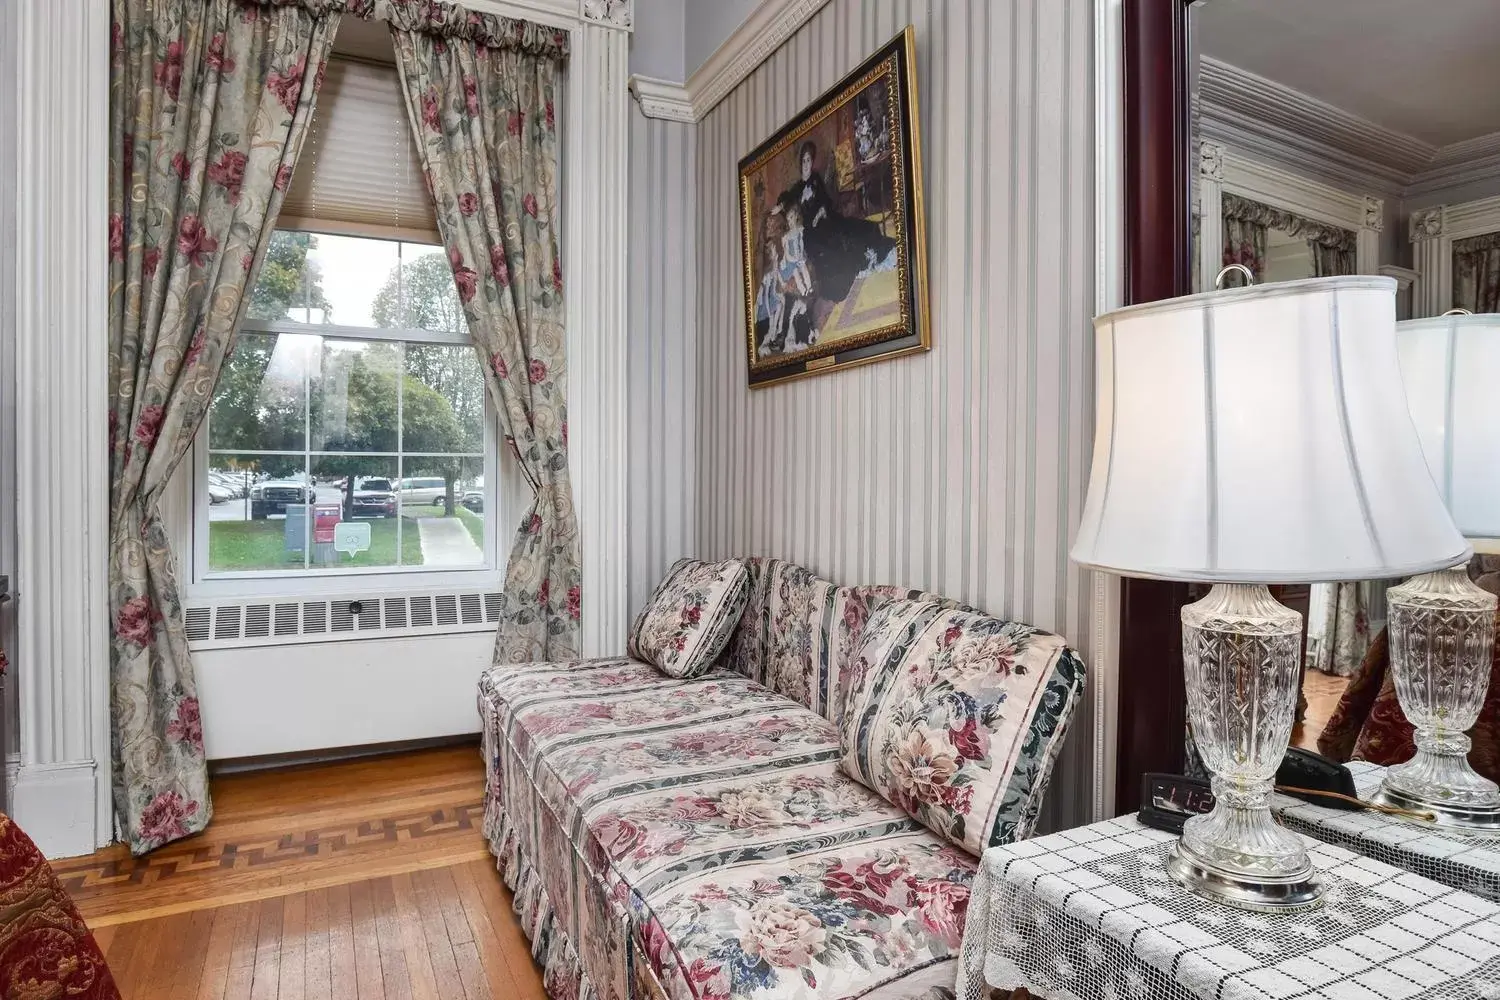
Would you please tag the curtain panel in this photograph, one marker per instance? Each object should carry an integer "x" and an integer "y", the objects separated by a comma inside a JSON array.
[
  {"x": 209, "y": 102},
  {"x": 1244, "y": 243},
  {"x": 1476, "y": 273},
  {"x": 484, "y": 122}
]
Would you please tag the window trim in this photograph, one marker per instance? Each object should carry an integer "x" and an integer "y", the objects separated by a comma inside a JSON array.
[
  {"x": 338, "y": 331},
  {"x": 202, "y": 583}
]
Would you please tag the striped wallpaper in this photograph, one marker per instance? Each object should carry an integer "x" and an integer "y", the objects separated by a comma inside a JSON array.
[
  {"x": 663, "y": 352},
  {"x": 961, "y": 470}
]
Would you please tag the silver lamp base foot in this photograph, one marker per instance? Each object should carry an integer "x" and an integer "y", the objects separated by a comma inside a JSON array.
[
  {"x": 1445, "y": 816},
  {"x": 1295, "y": 893}
]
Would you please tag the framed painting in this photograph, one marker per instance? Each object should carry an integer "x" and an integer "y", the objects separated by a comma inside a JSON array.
[{"x": 831, "y": 228}]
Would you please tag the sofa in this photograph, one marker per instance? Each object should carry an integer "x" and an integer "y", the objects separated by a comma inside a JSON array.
[{"x": 700, "y": 838}]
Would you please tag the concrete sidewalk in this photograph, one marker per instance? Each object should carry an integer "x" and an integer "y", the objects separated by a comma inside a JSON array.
[{"x": 446, "y": 542}]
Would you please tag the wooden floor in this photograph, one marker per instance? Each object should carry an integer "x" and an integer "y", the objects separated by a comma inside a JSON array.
[
  {"x": 366, "y": 880},
  {"x": 1323, "y": 692}
]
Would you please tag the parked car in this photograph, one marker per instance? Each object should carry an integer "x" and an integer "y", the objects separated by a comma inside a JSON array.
[
  {"x": 374, "y": 498},
  {"x": 473, "y": 497},
  {"x": 218, "y": 492},
  {"x": 236, "y": 483},
  {"x": 424, "y": 490},
  {"x": 274, "y": 496}
]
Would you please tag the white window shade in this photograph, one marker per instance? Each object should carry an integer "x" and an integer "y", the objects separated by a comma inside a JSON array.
[{"x": 358, "y": 172}]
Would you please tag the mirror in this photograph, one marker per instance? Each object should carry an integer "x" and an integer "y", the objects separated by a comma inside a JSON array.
[{"x": 1351, "y": 137}]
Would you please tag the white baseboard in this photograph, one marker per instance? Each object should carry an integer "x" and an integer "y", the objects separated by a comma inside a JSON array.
[{"x": 55, "y": 804}]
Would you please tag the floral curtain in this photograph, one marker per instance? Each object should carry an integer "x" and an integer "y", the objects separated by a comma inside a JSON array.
[
  {"x": 1476, "y": 273},
  {"x": 1347, "y": 618},
  {"x": 483, "y": 118},
  {"x": 1244, "y": 243},
  {"x": 209, "y": 102}
]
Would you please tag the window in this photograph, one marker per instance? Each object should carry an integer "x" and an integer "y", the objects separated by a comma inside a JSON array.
[{"x": 350, "y": 428}]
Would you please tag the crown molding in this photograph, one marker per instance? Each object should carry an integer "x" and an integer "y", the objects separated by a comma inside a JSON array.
[
  {"x": 770, "y": 24},
  {"x": 763, "y": 32},
  {"x": 662, "y": 99}
]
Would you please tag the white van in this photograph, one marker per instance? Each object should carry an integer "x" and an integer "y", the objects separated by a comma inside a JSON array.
[{"x": 423, "y": 490}]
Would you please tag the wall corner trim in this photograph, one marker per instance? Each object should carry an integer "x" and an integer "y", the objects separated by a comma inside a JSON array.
[{"x": 662, "y": 99}]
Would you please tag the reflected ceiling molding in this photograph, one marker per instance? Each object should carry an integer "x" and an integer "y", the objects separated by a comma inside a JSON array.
[{"x": 1254, "y": 113}]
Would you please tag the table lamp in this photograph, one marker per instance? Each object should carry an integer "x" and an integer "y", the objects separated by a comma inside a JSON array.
[
  {"x": 1245, "y": 437},
  {"x": 1441, "y": 626}
]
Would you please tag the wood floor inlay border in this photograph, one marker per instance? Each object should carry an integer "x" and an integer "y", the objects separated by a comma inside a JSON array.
[{"x": 289, "y": 847}]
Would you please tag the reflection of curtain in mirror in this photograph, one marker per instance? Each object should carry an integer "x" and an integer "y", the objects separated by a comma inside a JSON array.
[
  {"x": 1244, "y": 243},
  {"x": 1197, "y": 227},
  {"x": 1331, "y": 260},
  {"x": 1350, "y": 616},
  {"x": 1476, "y": 273},
  {"x": 1245, "y": 225}
]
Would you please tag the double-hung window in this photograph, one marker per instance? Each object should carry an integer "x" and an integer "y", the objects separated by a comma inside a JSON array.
[{"x": 350, "y": 431}]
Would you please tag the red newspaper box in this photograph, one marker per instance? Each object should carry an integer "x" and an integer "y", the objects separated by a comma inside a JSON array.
[{"x": 325, "y": 518}]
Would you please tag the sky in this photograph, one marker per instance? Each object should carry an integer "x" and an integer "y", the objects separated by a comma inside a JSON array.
[{"x": 355, "y": 269}]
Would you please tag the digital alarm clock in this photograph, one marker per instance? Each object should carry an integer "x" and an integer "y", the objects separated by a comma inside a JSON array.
[{"x": 1167, "y": 800}]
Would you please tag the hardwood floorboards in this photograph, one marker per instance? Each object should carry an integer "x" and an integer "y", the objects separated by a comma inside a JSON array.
[{"x": 365, "y": 880}]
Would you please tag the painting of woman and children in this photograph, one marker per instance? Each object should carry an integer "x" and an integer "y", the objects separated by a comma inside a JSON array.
[{"x": 832, "y": 229}]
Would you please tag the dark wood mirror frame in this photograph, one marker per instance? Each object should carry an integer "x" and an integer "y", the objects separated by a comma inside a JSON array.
[
  {"x": 1157, "y": 158},
  {"x": 1157, "y": 266}
]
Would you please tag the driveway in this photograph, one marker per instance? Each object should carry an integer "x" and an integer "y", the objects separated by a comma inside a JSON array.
[{"x": 446, "y": 542}]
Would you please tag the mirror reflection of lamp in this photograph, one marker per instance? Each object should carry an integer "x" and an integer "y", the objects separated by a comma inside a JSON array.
[{"x": 1440, "y": 624}]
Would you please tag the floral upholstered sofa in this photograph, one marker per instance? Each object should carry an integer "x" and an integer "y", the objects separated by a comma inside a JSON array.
[{"x": 699, "y": 839}]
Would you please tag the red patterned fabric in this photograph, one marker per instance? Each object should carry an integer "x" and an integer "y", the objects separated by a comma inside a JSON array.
[
  {"x": 1369, "y": 724},
  {"x": 46, "y": 950}
]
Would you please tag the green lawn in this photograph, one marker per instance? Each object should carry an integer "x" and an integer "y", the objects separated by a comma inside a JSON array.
[
  {"x": 474, "y": 522},
  {"x": 252, "y": 545}
]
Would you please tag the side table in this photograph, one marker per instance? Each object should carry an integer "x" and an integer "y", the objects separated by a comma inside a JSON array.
[
  {"x": 1471, "y": 863},
  {"x": 1090, "y": 914}
]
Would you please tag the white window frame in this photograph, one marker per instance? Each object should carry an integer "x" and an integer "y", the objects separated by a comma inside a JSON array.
[{"x": 291, "y": 582}]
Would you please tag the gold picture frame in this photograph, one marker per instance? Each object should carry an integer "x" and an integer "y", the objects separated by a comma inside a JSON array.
[{"x": 832, "y": 228}]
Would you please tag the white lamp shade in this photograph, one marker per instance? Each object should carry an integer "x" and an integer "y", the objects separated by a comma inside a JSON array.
[
  {"x": 1451, "y": 367},
  {"x": 1258, "y": 435}
]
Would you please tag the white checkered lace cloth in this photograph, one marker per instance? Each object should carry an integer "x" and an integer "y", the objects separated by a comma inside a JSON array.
[
  {"x": 1471, "y": 863},
  {"x": 1091, "y": 914}
]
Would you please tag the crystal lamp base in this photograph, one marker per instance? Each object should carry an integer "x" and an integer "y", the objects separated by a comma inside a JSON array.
[
  {"x": 1441, "y": 630},
  {"x": 1240, "y": 663}
]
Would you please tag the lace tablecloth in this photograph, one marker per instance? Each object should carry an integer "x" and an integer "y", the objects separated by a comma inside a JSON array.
[
  {"x": 1090, "y": 914},
  {"x": 1464, "y": 862}
]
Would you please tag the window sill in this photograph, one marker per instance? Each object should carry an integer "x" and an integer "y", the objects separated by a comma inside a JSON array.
[{"x": 268, "y": 587}]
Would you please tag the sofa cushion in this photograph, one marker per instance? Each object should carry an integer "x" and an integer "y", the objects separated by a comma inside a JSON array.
[
  {"x": 844, "y": 921},
  {"x": 688, "y": 619},
  {"x": 799, "y": 606},
  {"x": 690, "y": 804},
  {"x": 745, "y": 652},
  {"x": 956, "y": 718}
]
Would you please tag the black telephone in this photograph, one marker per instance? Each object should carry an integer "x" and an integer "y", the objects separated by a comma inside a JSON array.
[
  {"x": 1314, "y": 778},
  {"x": 1167, "y": 800}
]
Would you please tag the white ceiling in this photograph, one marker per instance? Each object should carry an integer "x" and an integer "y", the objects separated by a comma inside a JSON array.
[{"x": 1428, "y": 68}]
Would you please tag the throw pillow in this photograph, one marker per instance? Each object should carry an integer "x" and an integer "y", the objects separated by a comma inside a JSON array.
[
  {"x": 956, "y": 718},
  {"x": 684, "y": 626}
]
